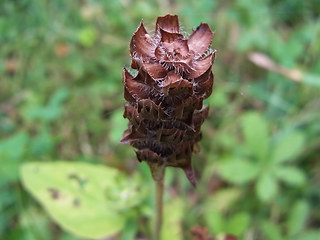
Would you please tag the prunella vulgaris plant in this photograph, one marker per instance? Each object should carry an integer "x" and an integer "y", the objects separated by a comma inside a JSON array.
[{"x": 165, "y": 98}]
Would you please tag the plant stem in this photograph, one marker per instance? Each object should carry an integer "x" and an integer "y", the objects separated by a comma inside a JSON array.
[{"x": 159, "y": 209}]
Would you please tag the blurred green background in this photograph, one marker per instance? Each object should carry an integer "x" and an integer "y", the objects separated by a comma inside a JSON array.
[{"x": 61, "y": 99}]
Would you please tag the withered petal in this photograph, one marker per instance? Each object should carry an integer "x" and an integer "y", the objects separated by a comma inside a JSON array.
[
  {"x": 181, "y": 47},
  {"x": 176, "y": 51},
  {"x": 187, "y": 115},
  {"x": 204, "y": 88},
  {"x": 193, "y": 102},
  {"x": 200, "y": 39},
  {"x": 199, "y": 116},
  {"x": 190, "y": 175},
  {"x": 147, "y": 155},
  {"x": 173, "y": 137},
  {"x": 141, "y": 43},
  {"x": 171, "y": 77},
  {"x": 149, "y": 110},
  {"x": 161, "y": 148},
  {"x": 182, "y": 88},
  {"x": 132, "y": 136},
  {"x": 136, "y": 89},
  {"x": 145, "y": 78},
  {"x": 155, "y": 70},
  {"x": 169, "y": 37},
  {"x": 132, "y": 114},
  {"x": 201, "y": 66},
  {"x": 181, "y": 67},
  {"x": 166, "y": 124},
  {"x": 128, "y": 97},
  {"x": 135, "y": 63},
  {"x": 181, "y": 157},
  {"x": 204, "y": 77},
  {"x": 168, "y": 23}
]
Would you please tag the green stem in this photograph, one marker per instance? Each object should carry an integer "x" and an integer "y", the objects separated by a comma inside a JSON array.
[{"x": 159, "y": 209}]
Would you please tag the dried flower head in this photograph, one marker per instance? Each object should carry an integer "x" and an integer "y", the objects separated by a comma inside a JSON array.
[{"x": 165, "y": 98}]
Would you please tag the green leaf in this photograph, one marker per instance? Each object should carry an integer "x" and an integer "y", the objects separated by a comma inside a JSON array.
[
  {"x": 12, "y": 151},
  {"x": 288, "y": 147},
  {"x": 59, "y": 97},
  {"x": 129, "y": 230},
  {"x": 85, "y": 199},
  {"x": 291, "y": 175},
  {"x": 13, "y": 147},
  {"x": 34, "y": 110},
  {"x": 298, "y": 217},
  {"x": 238, "y": 224},
  {"x": 271, "y": 231},
  {"x": 266, "y": 187},
  {"x": 238, "y": 171},
  {"x": 256, "y": 135},
  {"x": 215, "y": 221},
  {"x": 42, "y": 143},
  {"x": 223, "y": 199}
]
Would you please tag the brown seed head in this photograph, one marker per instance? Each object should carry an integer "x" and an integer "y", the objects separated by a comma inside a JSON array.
[{"x": 165, "y": 98}]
